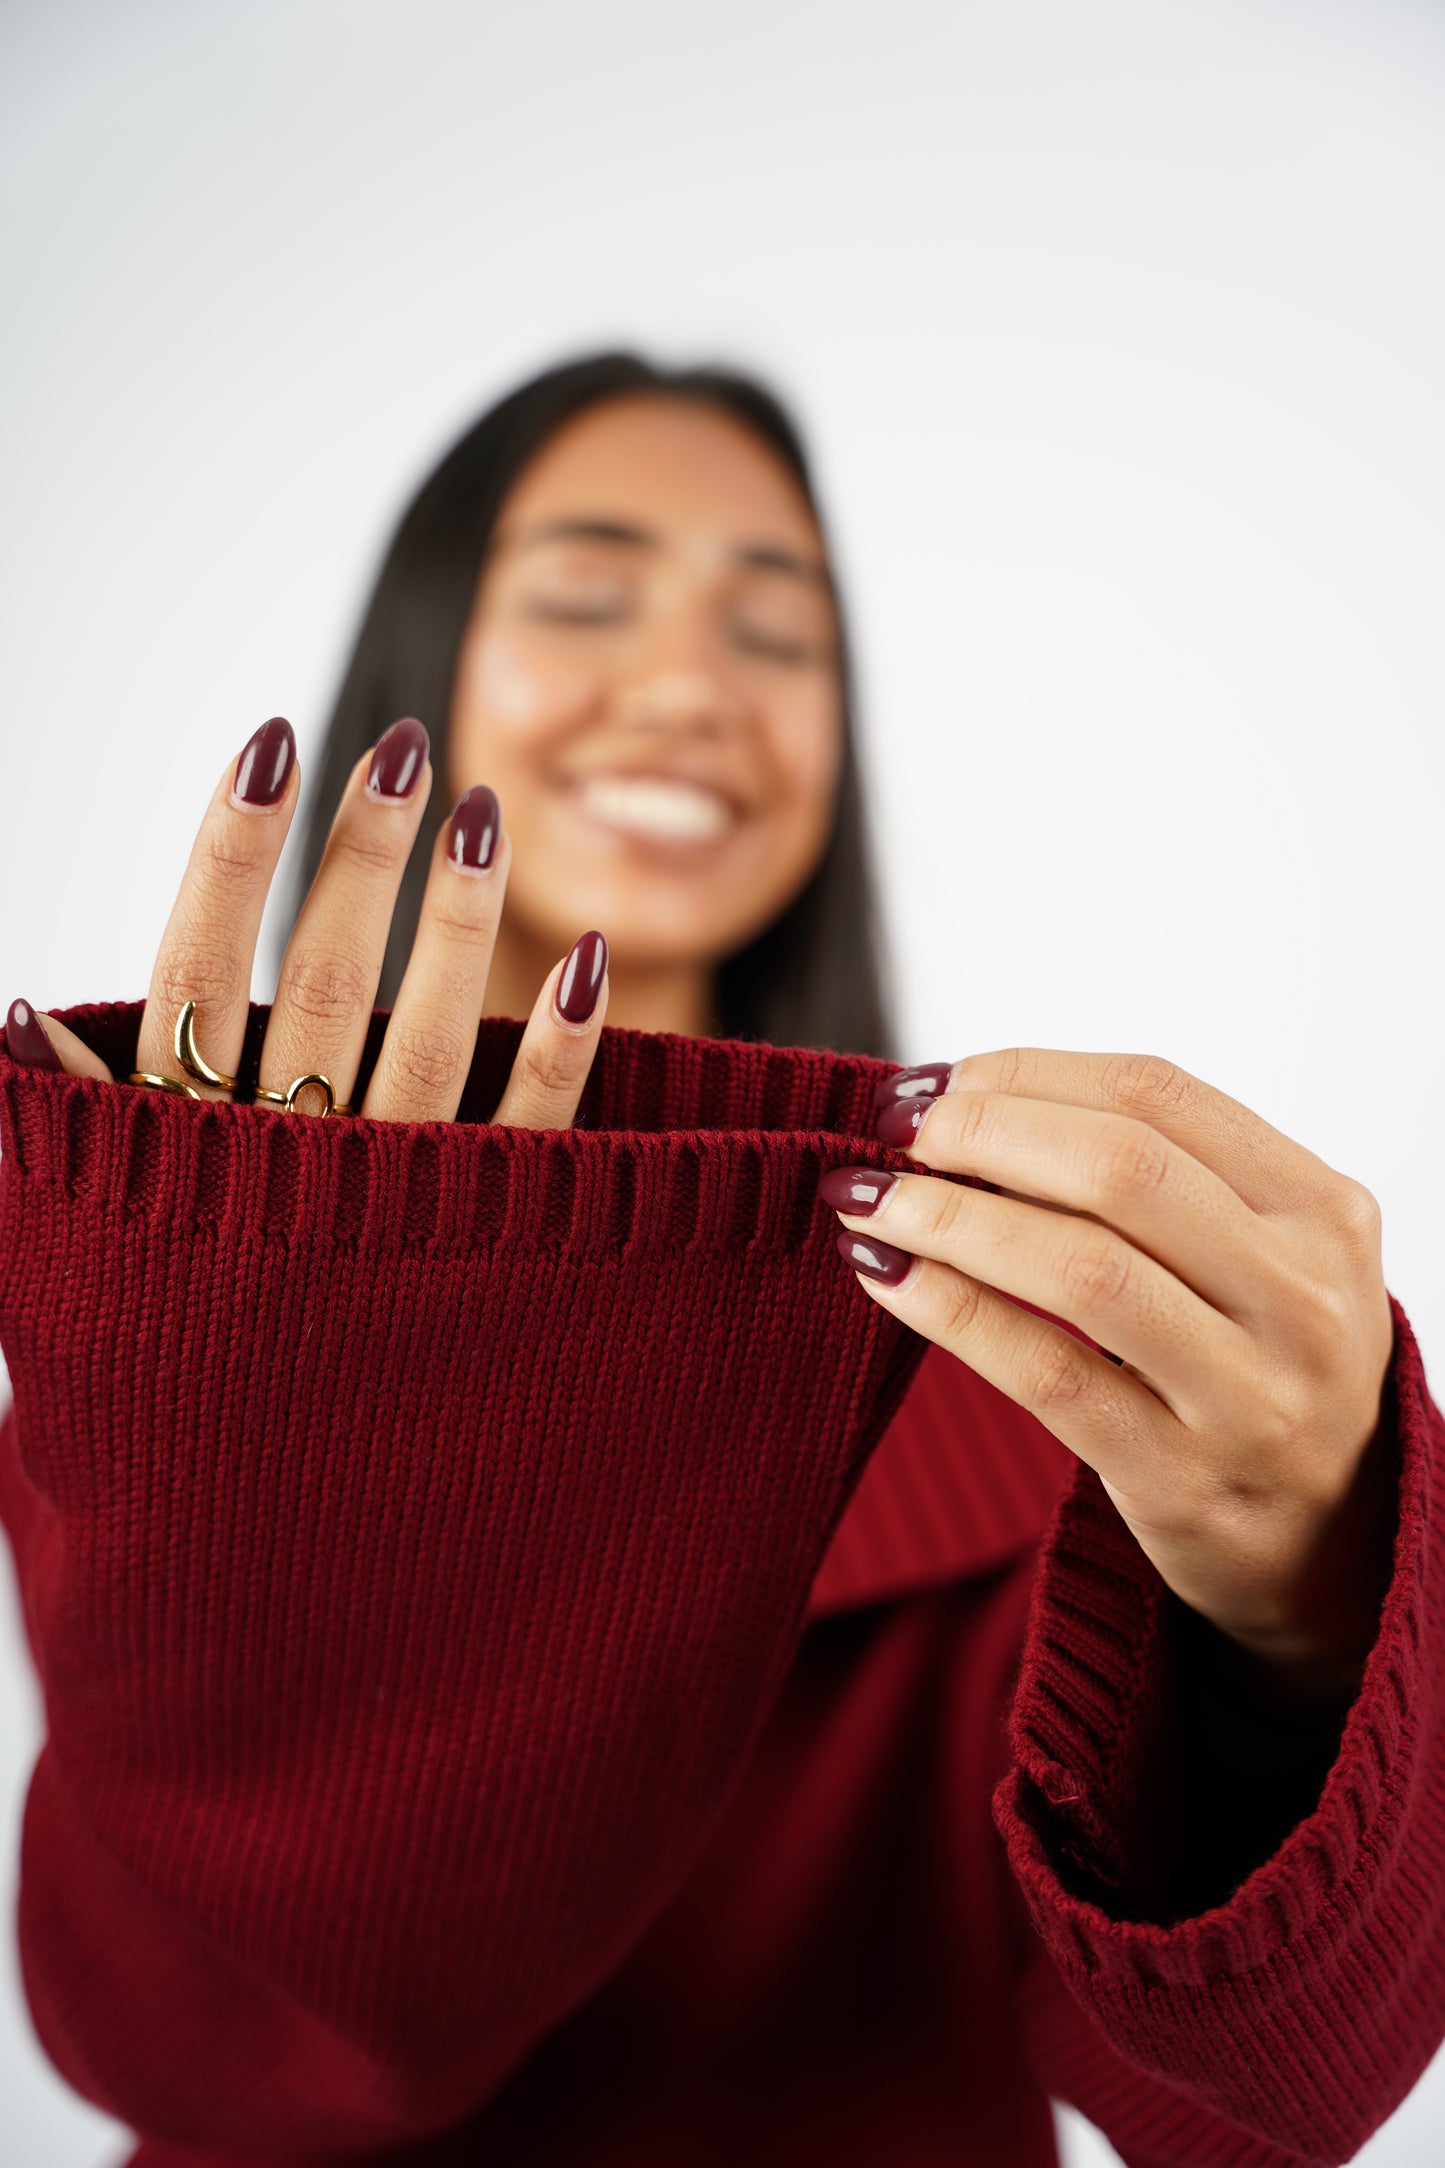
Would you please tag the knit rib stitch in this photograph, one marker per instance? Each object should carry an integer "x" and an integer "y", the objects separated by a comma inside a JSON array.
[{"x": 431, "y": 1512}]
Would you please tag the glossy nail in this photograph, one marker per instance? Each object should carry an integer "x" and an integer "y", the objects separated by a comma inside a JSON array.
[
  {"x": 899, "y": 1121},
  {"x": 264, "y": 762},
  {"x": 926, "y": 1078},
  {"x": 879, "y": 1260},
  {"x": 26, "y": 1040},
  {"x": 581, "y": 980},
  {"x": 398, "y": 759},
  {"x": 858, "y": 1190},
  {"x": 476, "y": 828}
]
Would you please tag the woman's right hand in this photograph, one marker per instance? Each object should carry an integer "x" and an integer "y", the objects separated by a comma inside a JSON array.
[{"x": 332, "y": 965}]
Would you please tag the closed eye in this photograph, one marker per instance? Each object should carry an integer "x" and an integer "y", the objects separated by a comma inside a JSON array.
[
  {"x": 601, "y": 610},
  {"x": 773, "y": 646}
]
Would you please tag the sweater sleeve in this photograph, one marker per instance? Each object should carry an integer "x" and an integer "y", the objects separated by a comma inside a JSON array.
[
  {"x": 415, "y": 1524},
  {"x": 1240, "y": 1960}
]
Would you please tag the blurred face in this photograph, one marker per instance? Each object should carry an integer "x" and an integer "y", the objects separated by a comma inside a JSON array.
[{"x": 649, "y": 682}]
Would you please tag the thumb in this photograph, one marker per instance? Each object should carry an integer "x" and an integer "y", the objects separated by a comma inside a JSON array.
[{"x": 42, "y": 1043}]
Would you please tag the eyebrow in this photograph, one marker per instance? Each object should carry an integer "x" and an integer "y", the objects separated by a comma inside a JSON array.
[{"x": 757, "y": 556}]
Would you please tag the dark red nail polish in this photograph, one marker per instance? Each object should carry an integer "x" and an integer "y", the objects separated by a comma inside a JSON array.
[
  {"x": 264, "y": 762},
  {"x": 880, "y": 1260},
  {"x": 926, "y": 1078},
  {"x": 399, "y": 757},
  {"x": 26, "y": 1040},
  {"x": 476, "y": 828},
  {"x": 581, "y": 980},
  {"x": 858, "y": 1190},
  {"x": 898, "y": 1122}
]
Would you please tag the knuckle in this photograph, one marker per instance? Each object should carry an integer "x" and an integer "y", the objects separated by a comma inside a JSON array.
[
  {"x": 324, "y": 989},
  {"x": 1273, "y": 1428},
  {"x": 1321, "y": 1304},
  {"x": 427, "y": 1056},
  {"x": 938, "y": 1212},
  {"x": 372, "y": 849},
  {"x": 961, "y": 1298},
  {"x": 1096, "y": 1274},
  {"x": 1061, "y": 1374},
  {"x": 1147, "y": 1084},
  {"x": 1283, "y": 1410},
  {"x": 1011, "y": 1067},
  {"x": 550, "y": 1071},
  {"x": 972, "y": 1113},
  {"x": 1135, "y": 1161},
  {"x": 195, "y": 969},
  {"x": 226, "y": 860},
  {"x": 461, "y": 929},
  {"x": 1359, "y": 1212},
  {"x": 1333, "y": 1306}
]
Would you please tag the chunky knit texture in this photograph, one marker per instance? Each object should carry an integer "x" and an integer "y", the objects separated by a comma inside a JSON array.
[{"x": 538, "y": 1667}]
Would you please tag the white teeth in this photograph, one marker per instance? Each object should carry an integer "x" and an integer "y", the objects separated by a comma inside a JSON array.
[{"x": 651, "y": 806}]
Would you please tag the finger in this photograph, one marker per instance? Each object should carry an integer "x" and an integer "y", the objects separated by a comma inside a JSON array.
[
  {"x": 556, "y": 1050},
  {"x": 40, "y": 1042},
  {"x": 1103, "y": 1414},
  {"x": 209, "y": 944},
  {"x": 1269, "y": 1171},
  {"x": 1060, "y": 1263},
  {"x": 1117, "y": 1170},
  {"x": 432, "y": 1035},
  {"x": 332, "y": 966}
]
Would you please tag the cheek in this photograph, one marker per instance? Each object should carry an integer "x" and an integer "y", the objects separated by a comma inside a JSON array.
[
  {"x": 509, "y": 693},
  {"x": 806, "y": 750}
]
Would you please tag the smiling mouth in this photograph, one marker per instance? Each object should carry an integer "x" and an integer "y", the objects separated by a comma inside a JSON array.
[{"x": 656, "y": 808}]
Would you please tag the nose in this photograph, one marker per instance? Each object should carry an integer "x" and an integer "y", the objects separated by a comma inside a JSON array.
[
  {"x": 675, "y": 677},
  {"x": 670, "y": 698}
]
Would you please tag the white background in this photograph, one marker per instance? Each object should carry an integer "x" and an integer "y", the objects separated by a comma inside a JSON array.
[{"x": 1120, "y": 335}]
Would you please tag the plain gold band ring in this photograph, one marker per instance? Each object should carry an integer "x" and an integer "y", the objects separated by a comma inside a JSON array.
[{"x": 162, "y": 1083}]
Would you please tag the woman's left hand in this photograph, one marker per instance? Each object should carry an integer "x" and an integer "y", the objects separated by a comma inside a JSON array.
[{"x": 1237, "y": 1275}]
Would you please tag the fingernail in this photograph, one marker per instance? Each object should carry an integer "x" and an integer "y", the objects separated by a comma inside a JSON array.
[
  {"x": 398, "y": 759},
  {"x": 581, "y": 980},
  {"x": 476, "y": 827},
  {"x": 859, "y": 1190},
  {"x": 880, "y": 1260},
  {"x": 264, "y": 762},
  {"x": 899, "y": 1121},
  {"x": 25, "y": 1038},
  {"x": 927, "y": 1078}
]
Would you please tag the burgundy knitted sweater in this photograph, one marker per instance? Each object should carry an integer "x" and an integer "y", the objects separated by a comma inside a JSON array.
[{"x": 540, "y": 1669}]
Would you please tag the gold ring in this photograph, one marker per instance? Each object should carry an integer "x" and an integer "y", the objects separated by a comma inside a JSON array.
[
  {"x": 162, "y": 1083},
  {"x": 191, "y": 1058},
  {"x": 287, "y": 1100}
]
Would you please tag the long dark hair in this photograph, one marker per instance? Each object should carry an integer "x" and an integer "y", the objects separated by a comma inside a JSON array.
[{"x": 811, "y": 978}]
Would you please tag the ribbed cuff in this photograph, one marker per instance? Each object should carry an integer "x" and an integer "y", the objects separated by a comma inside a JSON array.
[{"x": 1093, "y": 1693}]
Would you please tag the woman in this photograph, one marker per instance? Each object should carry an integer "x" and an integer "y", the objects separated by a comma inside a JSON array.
[{"x": 539, "y": 1830}]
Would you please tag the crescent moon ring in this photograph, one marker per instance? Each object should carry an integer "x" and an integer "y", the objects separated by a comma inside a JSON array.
[{"x": 190, "y": 1057}]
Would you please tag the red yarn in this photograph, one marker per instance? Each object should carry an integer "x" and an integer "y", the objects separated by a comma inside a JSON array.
[{"x": 540, "y": 1669}]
